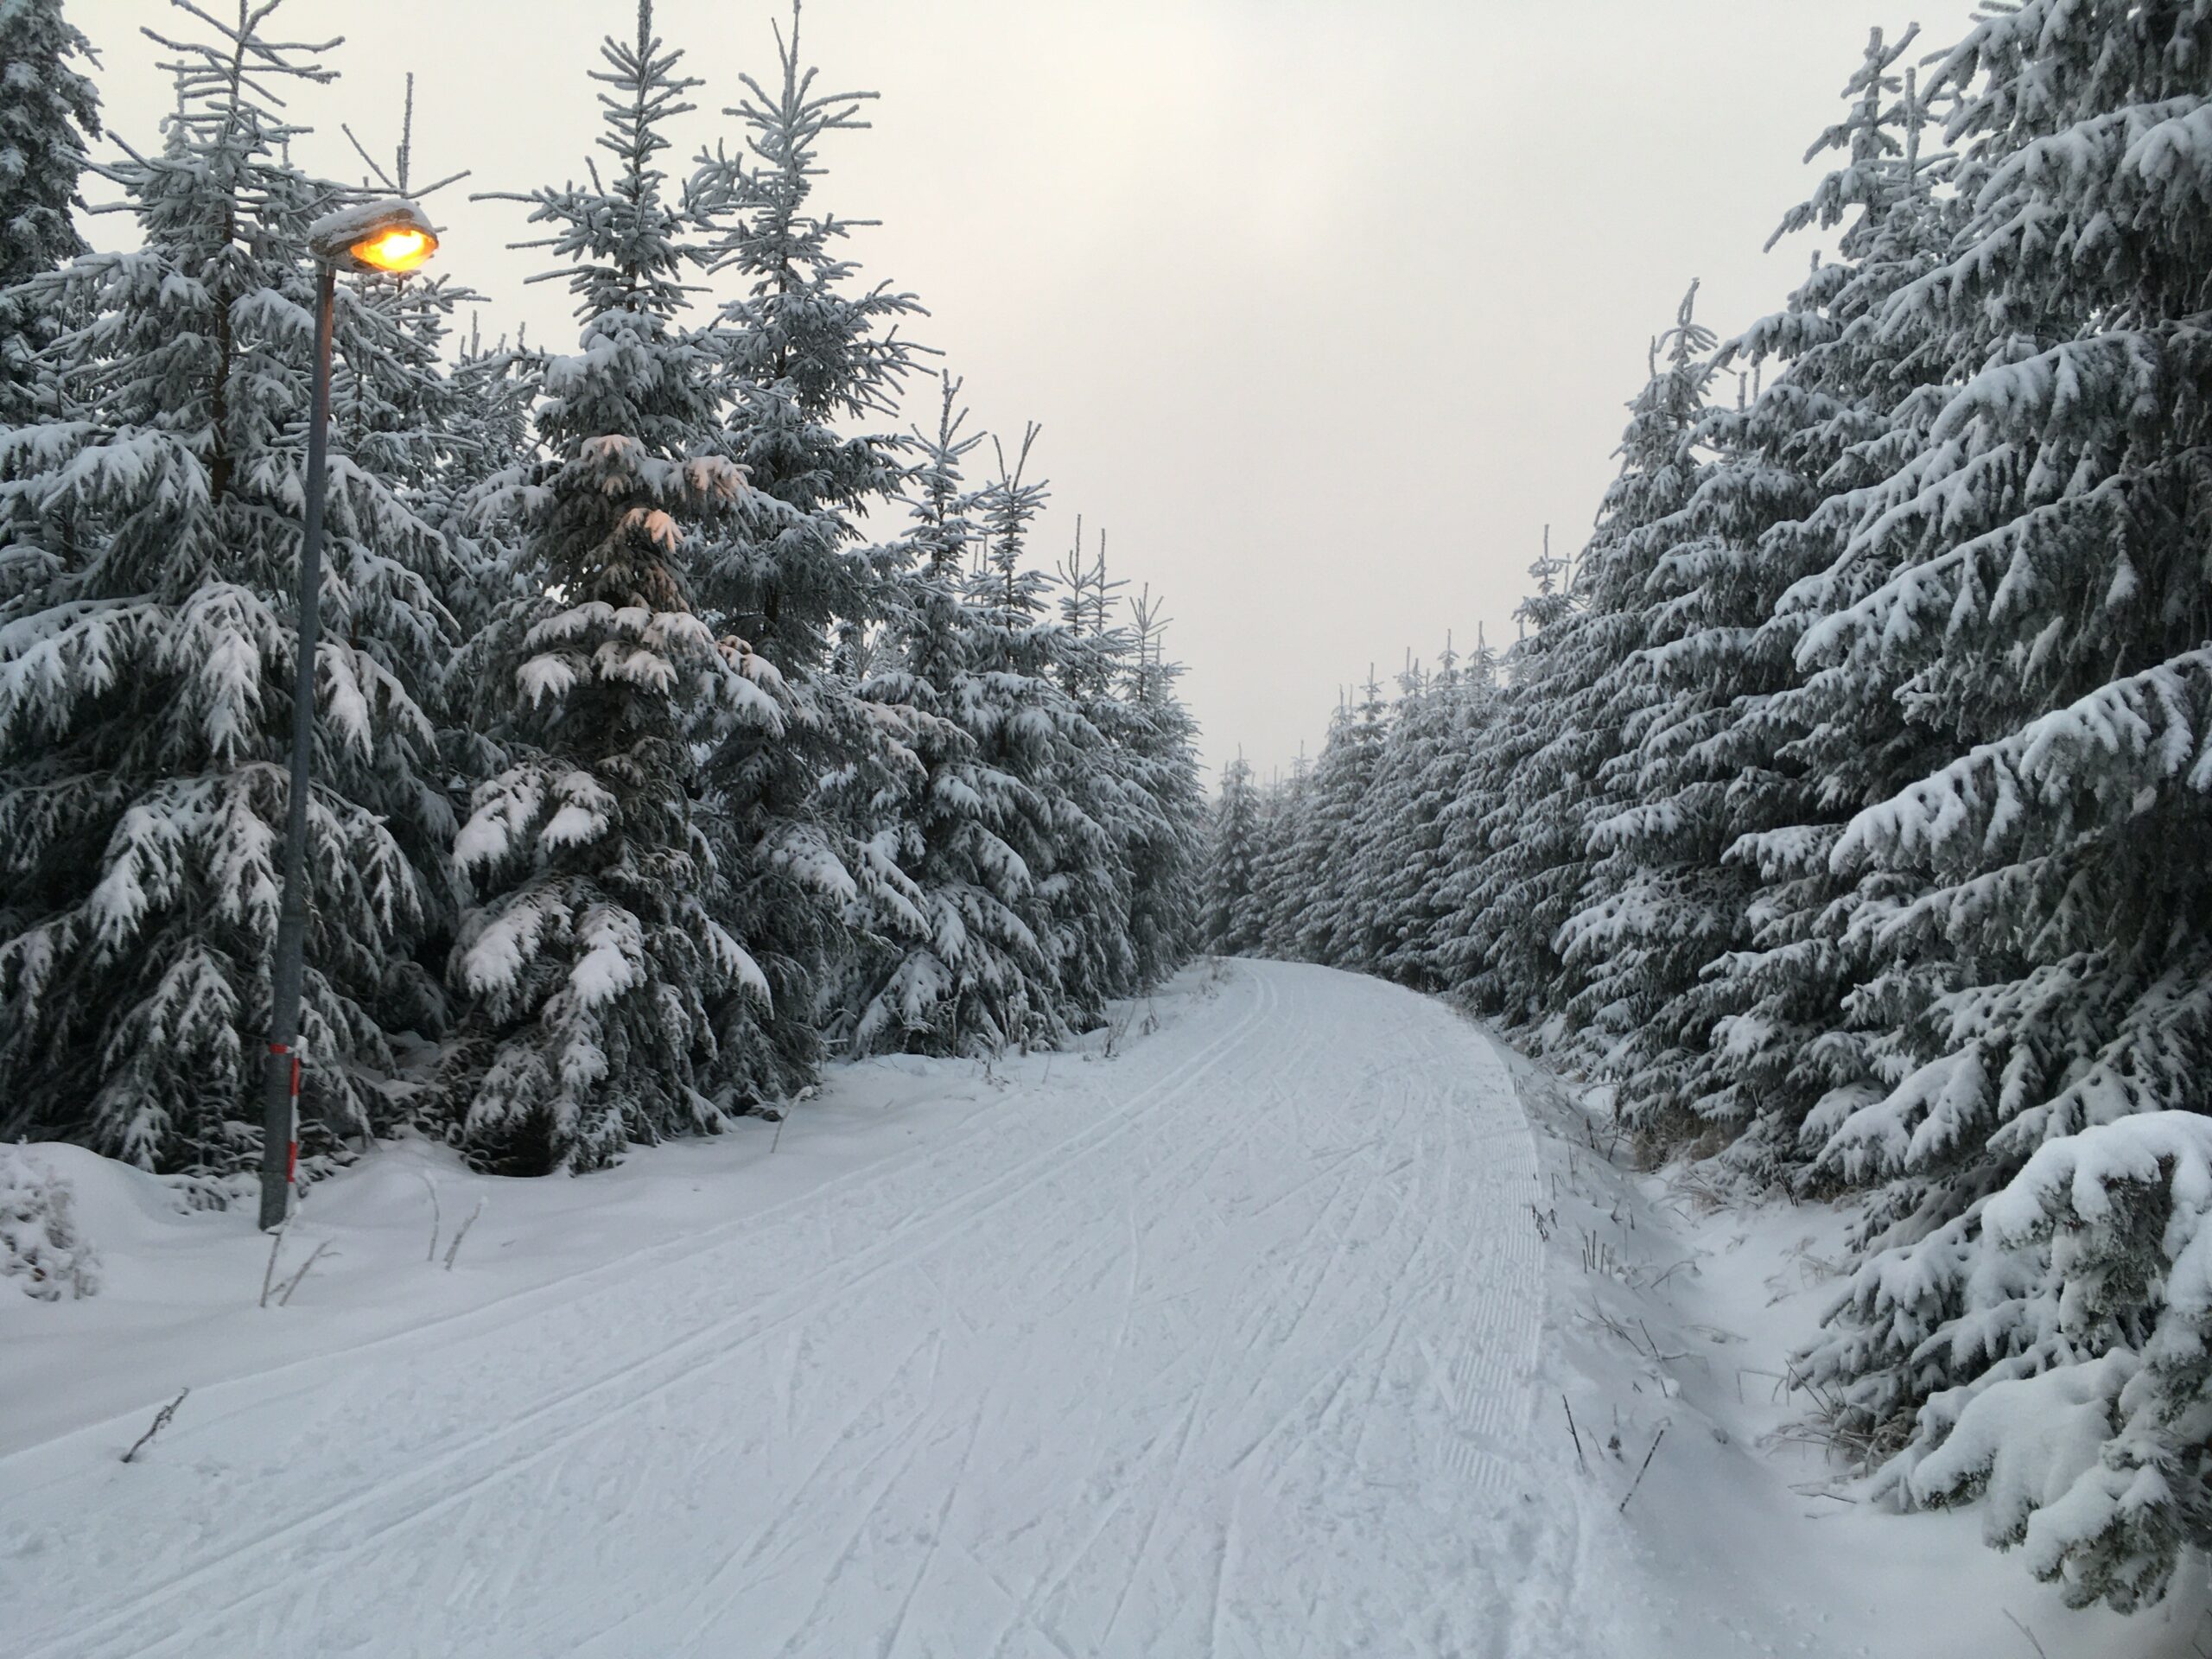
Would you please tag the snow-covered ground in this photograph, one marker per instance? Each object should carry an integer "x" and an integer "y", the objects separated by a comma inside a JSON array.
[
  {"x": 1244, "y": 1340},
  {"x": 1669, "y": 1309}
]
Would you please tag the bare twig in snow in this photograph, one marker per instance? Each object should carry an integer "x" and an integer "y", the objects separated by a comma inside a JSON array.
[
  {"x": 1655, "y": 1283},
  {"x": 2025, "y": 1631},
  {"x": 1575, "y": 1431},
  {"x": 437, "y": 1216},
  {"x": 268, "y": 1273},
  {"x": 1646, "y": 1464},
  {"x": 454, "y": 1249},
  {"x": 160, "y": 1421},
  {"x": 292, "y": 1283}
]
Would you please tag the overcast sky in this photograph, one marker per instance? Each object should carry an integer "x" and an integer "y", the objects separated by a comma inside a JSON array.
[{"x": 1326, "y": 306}]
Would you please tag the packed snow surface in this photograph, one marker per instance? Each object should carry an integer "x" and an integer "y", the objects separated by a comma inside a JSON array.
[
  {"x": 1255, "y": 1336},
  {"x": 1222, "y": 1345}
]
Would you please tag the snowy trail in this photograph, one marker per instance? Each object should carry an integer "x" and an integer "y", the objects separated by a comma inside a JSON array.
[{"x": 1227, "y": 1349}]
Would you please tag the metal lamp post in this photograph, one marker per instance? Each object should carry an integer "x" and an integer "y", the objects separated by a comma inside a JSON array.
[{"x": 392, "y": 237}]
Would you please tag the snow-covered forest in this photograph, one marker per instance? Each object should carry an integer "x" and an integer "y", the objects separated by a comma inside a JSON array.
[
  {"x": 683, "y": 718},
  {"x": 717, "y": 775},
  {"x": 1843, "y": 800}
]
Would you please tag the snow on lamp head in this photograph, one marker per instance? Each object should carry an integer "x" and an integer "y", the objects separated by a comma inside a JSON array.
[{"x": 390, "y": 236}]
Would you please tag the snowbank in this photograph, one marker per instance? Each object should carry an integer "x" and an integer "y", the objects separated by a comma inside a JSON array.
[{"x": 1672, "y": 1311}]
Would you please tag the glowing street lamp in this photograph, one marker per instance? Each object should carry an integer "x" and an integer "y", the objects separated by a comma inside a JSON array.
[
  {"x": 393, "y": 237},
  {"x": 396, "y": 252}
]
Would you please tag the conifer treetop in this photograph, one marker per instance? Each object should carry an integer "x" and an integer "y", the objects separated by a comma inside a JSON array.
[{"x": 624, "y": 245}]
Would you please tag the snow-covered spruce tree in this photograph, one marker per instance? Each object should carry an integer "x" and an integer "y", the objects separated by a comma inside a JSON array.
[
  {"x": 43, "y": 1249},
  {"x": 1527, "y": 870},
  {"x": 1280, "y": 880},
  {"x": 1397, "y": 842},
  {"x": 2037, "y": 921},
  {"x": 1522, "y": 859},
  {"x": 948, "y": 957},
  {"x": 1799, "y": 752},
  {"x": 1336, "y": 831},
  {"x": 49, "y": 111},
  {"x": 435, "y": 434},
  {"x": 804, "y": 352},
  {"x": 1436, "y": 734},
  {"x": 1090, "y": 652},
  {"x": 147, "y": 656},
  {"x": 1485, "y": 960},
  {"x": 1372, "y": 894},
  {"x": 1232, "y": 926},
  {"x": 1661, "y": 905},
  {"x": 1627, "y": 943},
  {"x": 488, "y": 431},
  {"x": 1165, "y": 847},
  {"x": 1038, "y": 735},
  {"x": 2099, "y": 1466},
  {"x": 1144, "y": 790},
  {"x": 601, "y": 993}
]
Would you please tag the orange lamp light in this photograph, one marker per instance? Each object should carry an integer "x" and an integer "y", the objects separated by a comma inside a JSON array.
[
  {"x": 391, "y": 236},
  {"x": 395, "y": 252}
]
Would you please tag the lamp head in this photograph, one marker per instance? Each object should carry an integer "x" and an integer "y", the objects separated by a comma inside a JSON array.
[
  {"x": 396, "y": 250},
  {"x": 391, "y": 236}
]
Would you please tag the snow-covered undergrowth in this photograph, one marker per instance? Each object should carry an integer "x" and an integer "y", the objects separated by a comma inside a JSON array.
[
  {"x": 1675, "y": 1308},
  {"x": 42, "y": 1250}
]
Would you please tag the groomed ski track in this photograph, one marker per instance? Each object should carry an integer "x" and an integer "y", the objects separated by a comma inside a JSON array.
[{"x": 1225, "y": 1347}]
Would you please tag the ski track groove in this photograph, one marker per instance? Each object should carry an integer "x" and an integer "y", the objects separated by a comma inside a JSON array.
[
  {"x": 983, "y": 1124},
  {"x": 896, "y": 1633},
  {"x": 1209, "y": 1058},
  {"x": 1360, "y": 1152},
  {"x": 1046, "y": 1161}
]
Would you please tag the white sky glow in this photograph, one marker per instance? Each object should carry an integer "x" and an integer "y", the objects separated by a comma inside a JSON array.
[{"x": 1326, "y": 306}]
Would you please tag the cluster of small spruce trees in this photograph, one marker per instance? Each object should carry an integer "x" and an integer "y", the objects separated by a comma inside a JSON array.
[{"x": 680, "y": 718}]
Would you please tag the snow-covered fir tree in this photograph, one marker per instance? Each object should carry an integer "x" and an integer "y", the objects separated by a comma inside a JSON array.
[
  {"x": 1621, "y": 945},
  {"x": 948, "y": 956},
  {"x": 1483, "y": 958},
  {"x": 147, "y": 654},
  {"x": 1573, "y": 693},
  {"x": 1163, "y": 842},
  {"x": 49, "y": 111},
  {"x": 2037, "y": 931},
  {"x": 1280, "y": 879},
  {"x": 805, "y": 351},
  {"x": 1089, "y": 651},
  {"x": 1233, "y": 921},
  {"x": 606, "y": 1002},
  {"x": 1372, "y": 895},
  {"x": 436, "y": 430},
  {"x": 1435, "y": 736},
  {"x": 1852, "y": 402},
  {"x": 1037, "y": 735},
  {"x": 1329, "y": 927}
]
